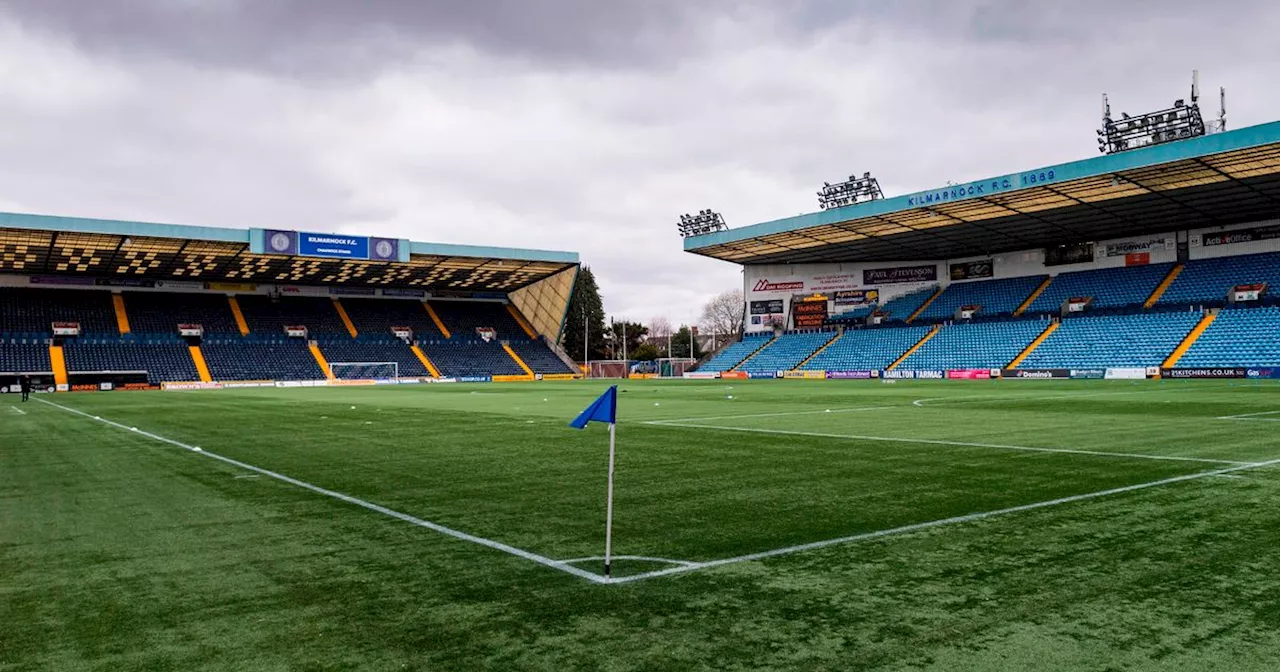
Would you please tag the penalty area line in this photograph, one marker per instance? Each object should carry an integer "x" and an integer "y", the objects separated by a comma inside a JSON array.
[
  {"x": 436, "y": 527},
  {"x": 967, "y": 518},
  {"x": 17, "y": 410},
  {"x": 963, "y": 444}
]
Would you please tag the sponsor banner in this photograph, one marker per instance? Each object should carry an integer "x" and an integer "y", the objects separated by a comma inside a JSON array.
[
  {"x": 90, "y": 387},
  {"x": 701, "y": 375},
  {"x": 856, "y": 297},
  {"x": 809, "y": 314},
  {"x": 247, "y": 384},
  {"x": 392, "y": 291},
  {"x": 124, "y": 282},
  {"x": 766, "y": 307},
  {"x": 969, "y": 374},
  {"x": 1137, "y": 259},
  {"x": 66, "y": 328},
  {"x": 345, "y": 382},
  {"x": 332, "y": 245},
  {"x": 1204, "y": 373},
  {"x": 888, "y": 276},
  {"x": 449, "y": 294},
  {"x": 1262, "y": 373},
  {"x": 898, "y": 374},
  {"x": 561, "y": 376},
  {"x": 971, "y": 270},
  {"x": 734, "y": 375},
  {"x": 1237, "y": 236},
  {"x": 765, "y": 374},
  {"x": 1129, "y": 247},
  {"x": 60, "y": 280},
  {"x": 231, "y": 286},
  {"x": 196, "y": 385},
  {"x": 1035, "y": 374},
  {"x": 475, "y": 379},
  {"x": 763, "y": 285},
  {"x": 1075, "y": 253},
  {"x": 1088, "y": 374},
  {"x": 930, "y": 375},
  {"x": 850, "y": 375},
  {"x": 1126, "y": 373},
  {"x": 106, "y": 387},
  {"x": 805, "y": 375},
  {"x": 642, "y": 376},
  {"x": 178, "y": 284},
  {"x": 353, "y": 291},
  {"x": 440, "y": 380},
  {"x": 386, "y": 381},
  {"x": 409, "y": 381}
]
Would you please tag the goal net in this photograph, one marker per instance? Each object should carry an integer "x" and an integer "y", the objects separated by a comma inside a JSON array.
[
  {"x": 674, "y": 367},
  {"x": 364, "y": 370},
  {"x": 609, "y": 368}
]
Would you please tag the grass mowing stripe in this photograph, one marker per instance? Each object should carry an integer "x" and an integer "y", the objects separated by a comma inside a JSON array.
[
  {"x": 967, "y": 518},
  {"x": 771, "y": 415},
  {"x": 943, "y": 442},
  {"x": 457, "y": 534}
]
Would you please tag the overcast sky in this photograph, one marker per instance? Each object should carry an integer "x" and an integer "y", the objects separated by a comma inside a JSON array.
[{"x": 584, "y": 125}]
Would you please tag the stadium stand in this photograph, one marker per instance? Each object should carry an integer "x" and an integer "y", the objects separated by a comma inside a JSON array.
[
  {"x": 471, "y": 359},
  {"x": 371, "y": 350},
  {"x": 376, "y": 317},
  {"x": 785, "y": 353},
  {"x": 1108, "y": 287},
  {"x": 1207, "y": 281},
  {"x": 539, "y": 357},
  {"x": 160, "y": 313},
  {"x": 24, "y": 355},
  {"x": 33, "y": 311},
  {"x": 1140, "y": 339},
  {"x": 903, "y": 307},
  {"x": 462, "y": 318},
  {"x": 269, "y": 315},
  {"x": 983, "y": 345},
  {"x": 866, "y": 349},
  {"x": 162, "y": 358},
  {"x": 265, "y": 359},
  {"x": 733, "y": 354},
  {"x": 1238, "y": 337},
  {"x": 995, "y": 297}
]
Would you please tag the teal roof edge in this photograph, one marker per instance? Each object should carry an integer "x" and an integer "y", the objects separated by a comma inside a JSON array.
[
  {"x": 1216, "y": 143},
  {"x": 127, "y": 228}
]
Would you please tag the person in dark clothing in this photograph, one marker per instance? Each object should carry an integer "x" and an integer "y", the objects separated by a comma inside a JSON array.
[{"x": 25, "y": 384}]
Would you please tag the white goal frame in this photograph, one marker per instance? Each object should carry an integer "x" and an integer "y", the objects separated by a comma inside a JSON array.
[
  {"x": 674, "y": 363},
  {"x": 395, "y": 368}
]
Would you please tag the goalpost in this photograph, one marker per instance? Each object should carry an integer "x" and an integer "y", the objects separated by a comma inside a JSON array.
[
  {"x": 674, "y": 367},
  {"x": 364, "y": 370}
]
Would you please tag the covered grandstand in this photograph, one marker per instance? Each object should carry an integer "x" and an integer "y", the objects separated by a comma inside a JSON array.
[
  {"x": 90, "y": 304},
  {"x": 1158, "y": 261}
]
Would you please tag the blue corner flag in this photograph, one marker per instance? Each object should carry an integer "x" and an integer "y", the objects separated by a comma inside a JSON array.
[{"x": 604, "y": 409}]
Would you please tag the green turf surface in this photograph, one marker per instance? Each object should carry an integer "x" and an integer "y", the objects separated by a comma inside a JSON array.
[{"x": 118, "y": 551}]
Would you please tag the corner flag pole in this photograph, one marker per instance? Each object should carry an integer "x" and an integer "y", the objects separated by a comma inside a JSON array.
[{"x": 608, "y": 515}]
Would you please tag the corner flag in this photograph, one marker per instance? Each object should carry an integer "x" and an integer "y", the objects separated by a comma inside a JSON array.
[{"x": 604, "y": 409}]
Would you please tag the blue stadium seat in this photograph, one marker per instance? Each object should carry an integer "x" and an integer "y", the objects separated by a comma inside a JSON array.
[
  {"x": 160, "y": 313},
  {"x": 984, "y": 345},
  {"x": 269, "y": 315},
  {"x": 539, "y": 357},
  {"x": 471, "y": 358},
  {"x": 164, "y": 359},
  {"x": 872, "y": 349},
  {"x": 1238, "y": 337},
  {"x": 902, "y": 307},
  {"x": 376, "y": 317},
  {"x": 785, "y": 353},
  {"x": 25, "y": 354},
  {"x": 462, "y": 318},
  {"x": 369, "y": 350},
  {"x": 734, "y": 353},
  {"x": 1109, "y": 287},
  {"x": 1206, "y": 281},
  {"x": 996, "y": 297},
  {"x": 260, "y": 359},
  {"x": 35, "y": 310},
  {"x": 1140, "y": 339}
]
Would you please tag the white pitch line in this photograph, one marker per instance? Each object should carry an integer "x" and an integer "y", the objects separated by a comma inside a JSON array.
[
  {"x": 457, "y": 534},
  {"x": 642, "y": 558},
  {"x": 770, "y": 415},
  {"x": 997, "y": 398},
  {"x": 966, "y": 444},
  {"x": 916, "y": 527},
  {"x": 17, "y": 410},
  {"x": 1250, "y": 416}
]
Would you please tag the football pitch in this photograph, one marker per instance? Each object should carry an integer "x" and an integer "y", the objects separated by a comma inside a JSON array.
[{"x": 1056, "y": 525}]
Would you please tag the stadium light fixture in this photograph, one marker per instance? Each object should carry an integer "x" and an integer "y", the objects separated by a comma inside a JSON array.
[
  {"x": 1179, "y": 122},
  {"x": 706, "y": 221},
  {"x": 854, "y": 190}
]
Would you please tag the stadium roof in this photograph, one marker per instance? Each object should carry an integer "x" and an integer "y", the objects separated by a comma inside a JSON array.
[
  {"x": 44, "y": 245},
  {"x": 1217, "y": 179}
]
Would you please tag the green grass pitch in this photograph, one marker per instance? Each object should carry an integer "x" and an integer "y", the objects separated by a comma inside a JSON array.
[{"x": 987, "y": 525}]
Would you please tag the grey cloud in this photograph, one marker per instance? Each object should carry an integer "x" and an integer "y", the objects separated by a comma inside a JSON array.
[{"x": 323, "y": 37}]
